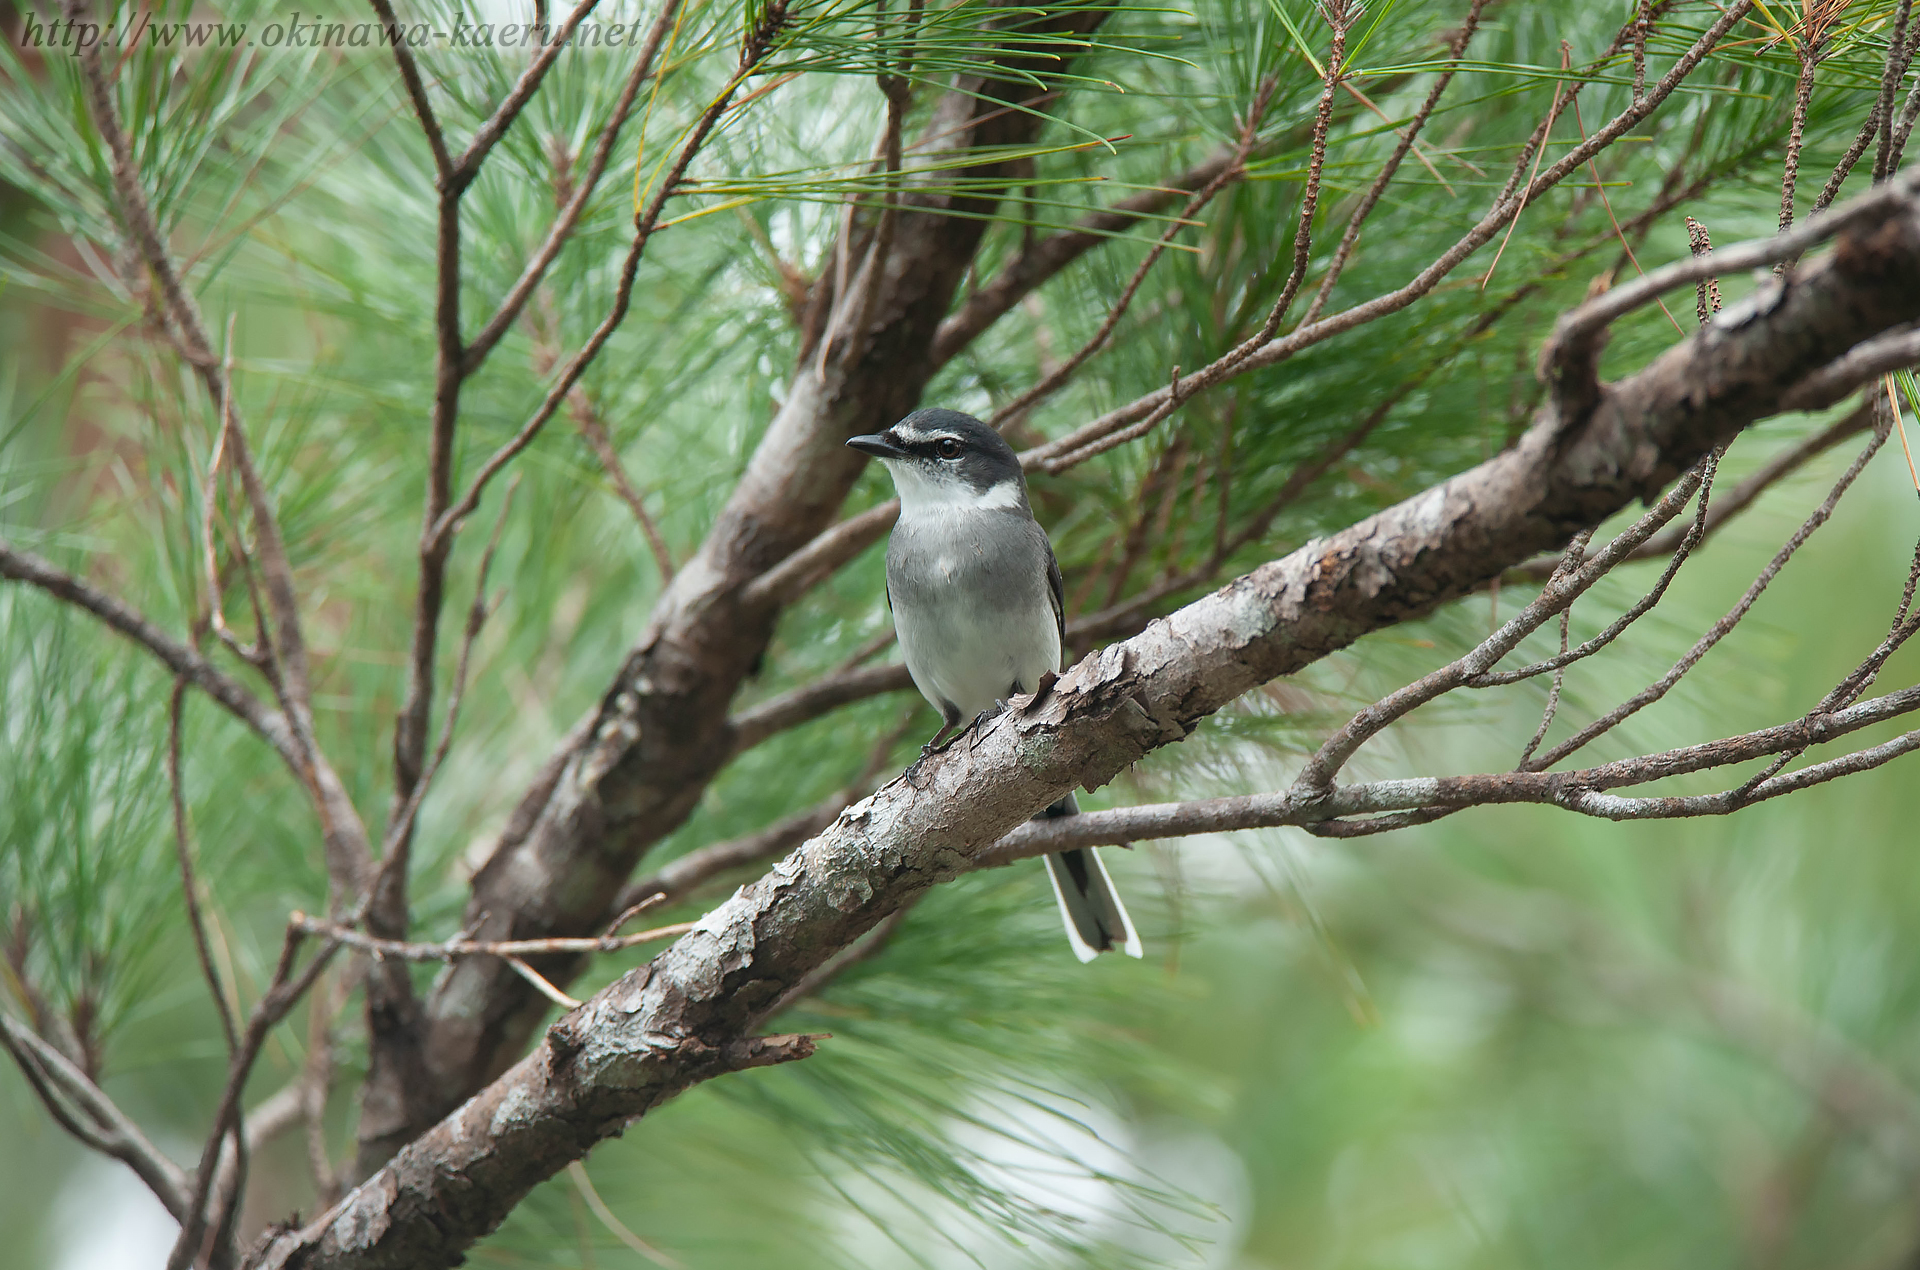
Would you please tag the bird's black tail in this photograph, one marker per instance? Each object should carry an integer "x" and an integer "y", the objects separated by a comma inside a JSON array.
[{"x": 1096, "y": 920}]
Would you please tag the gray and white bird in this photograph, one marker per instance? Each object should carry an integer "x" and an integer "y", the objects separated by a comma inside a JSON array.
[{"x": 976, "y": 599}]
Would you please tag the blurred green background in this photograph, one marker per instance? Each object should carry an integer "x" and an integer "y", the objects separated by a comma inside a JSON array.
[{"x": 1512, "y": 1038}]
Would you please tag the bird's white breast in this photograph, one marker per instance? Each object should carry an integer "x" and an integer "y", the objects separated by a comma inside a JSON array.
[{"x": 971, "y": 602}]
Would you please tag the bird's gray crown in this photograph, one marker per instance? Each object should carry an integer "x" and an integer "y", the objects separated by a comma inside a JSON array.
[{"x": 948, "y": 448}]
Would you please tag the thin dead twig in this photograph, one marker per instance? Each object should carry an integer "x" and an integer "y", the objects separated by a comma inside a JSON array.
[
  {"x": 758, "y": 43},
  {"x": 1586, "y": 321},
  {"x": 1246, "y": 359},
  {"x": 853, "y": 682},
  {"x": 1339, "y": 18},
  {"x": 1427, "y": 798},
  {"x": 447, "y": 950},
  {"x": 467, "y": 166},
  {"x": 184, "y": 661},
  {"x": 348, "y": 851},
  {"x": 1796, "y": 131},
  {"x": 1638, "y": 609},
  {"x": 679, "y": 878},
  {"x": 1895, "y": 350},
  {"x": 1658, "y": 689},
  {"x": 1743, "y": 495},
  {"x": 389, "y": 888},
  {"x": 1409, "y": 137},
  {"x": 183, "y": 849},
  {"x": 815, "y": 562},
  {"x": 89, "y": 1115},
  {"x": 1235, "y": 168},
  {"x": 285, "y": 989},
  {"x": 541, "y": 984},
  {"x": 257, "y": 655},
  {"x": 1317, "y": 774},
  {"x": 594, "y": 429},
  {"x": 569, "y": 214},
  {"x": 1575, "y": 553},
  {"x": 1044, "y": 257},
  {"x": 416, "y": 90},
  {"x": 1899, "y": 55},
  {"x": 848, "y": 336}
]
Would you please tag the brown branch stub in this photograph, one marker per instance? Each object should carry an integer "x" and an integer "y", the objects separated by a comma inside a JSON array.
[{"x": 1707, "y": 292}]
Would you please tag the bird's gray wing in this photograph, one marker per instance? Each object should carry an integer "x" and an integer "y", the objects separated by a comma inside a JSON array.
[{"x": 1056, "y": 592}]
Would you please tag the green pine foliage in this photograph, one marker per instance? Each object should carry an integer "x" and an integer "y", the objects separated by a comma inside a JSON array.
[{"x": 1514, "y": 1038}]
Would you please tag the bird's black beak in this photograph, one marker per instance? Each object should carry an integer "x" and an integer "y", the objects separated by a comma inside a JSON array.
[{"x": 880, "y": 445}]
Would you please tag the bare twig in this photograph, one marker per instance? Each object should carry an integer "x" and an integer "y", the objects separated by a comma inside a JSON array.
[
  {"x": 467, "y": 166},
  {"x": 758, "y": 43},
  {"x": 1589, "y": 318},
  {"x": 1044, "y": 257},
  {"x": 569, "y": 215},
  {"x": 679, "y": 878},
  {"x": 259, "y": 656},
  {"x": 1583, "y": 791},
  {"x": 401, "y": 830},
  {"x": 1409, "y": 136},
  {"x": 540, "y": 982},
  {"x": 286, "y": 988},
  {"x": 1743, "y": 495},
  {"x": 1319, "y": 771},
  {"x": 854, "y": 682},
  {"x": 1255, "y": 355},
  {"x": 1575, "y": 553},
  {"x": 1638, "y": 609},
  {"x": 1802, "y": 98},
  {"x": 813, "y": 563},
  {"x": 1060, "y": 456},
  {"x": 347, "y": 848},
  {"x": 183, "y": 849},
  {"x": 594, "y": 429},
  {"x": 1653, "y": 692},
  {"x": 447, "y": 950},
  {"x": 1896, "y": 350},
  {"x": 416, "y": 89},
  {"x": 89, "y": 1115},
  {"x": 1052, "y": 382},
  {"x": 1898, "y": 56},
  {"x": 848, "y": 335},
  {"x": 185, "y": 662}
]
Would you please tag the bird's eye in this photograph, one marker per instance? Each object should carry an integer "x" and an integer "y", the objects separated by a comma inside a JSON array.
[{"x": 948, "y": 448}]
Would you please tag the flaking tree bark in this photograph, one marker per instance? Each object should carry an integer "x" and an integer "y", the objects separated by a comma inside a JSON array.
[{"x": 691, "y": 1013}]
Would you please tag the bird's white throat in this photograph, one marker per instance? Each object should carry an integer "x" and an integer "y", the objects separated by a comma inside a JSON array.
[{"x": 922, "y": 491}]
